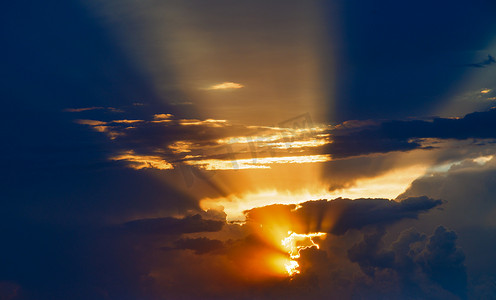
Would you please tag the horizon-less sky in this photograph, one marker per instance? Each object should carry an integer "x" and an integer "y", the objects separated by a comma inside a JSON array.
[{"x": 248, "y": 149}]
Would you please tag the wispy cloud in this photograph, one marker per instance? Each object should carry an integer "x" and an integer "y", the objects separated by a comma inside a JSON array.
[
  {"x": 83, "y": 109},
  {"x": 207, "y": 122},
  {"x": 139, "y": 162},
  {"x": 90, "y": 122},
  {"x": 259, "y": 163},
  {"x": 127, "y": 121},
  {"x": 486, "y": 62},
  {"x": 226, "y": 86},
  {"x": 162, "y": 116}
]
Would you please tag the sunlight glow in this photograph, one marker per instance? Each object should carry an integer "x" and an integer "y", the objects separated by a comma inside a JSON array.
[
  {"x": 207, "y": 122},
  {"x": 283, "y": 138},
  {"x": 292, "y": 267},
  {"x": 388, "y": 185},
  {"x": 256, "y": 163},
  {"x": 234, "y": 206},
  {"x": 482, "y": 160},
  {"x": 226, "y": 85},
  {"x": 296, "y": 242}
]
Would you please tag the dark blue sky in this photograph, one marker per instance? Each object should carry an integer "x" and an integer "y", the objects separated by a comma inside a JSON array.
[{"x": 403, "y": 59}]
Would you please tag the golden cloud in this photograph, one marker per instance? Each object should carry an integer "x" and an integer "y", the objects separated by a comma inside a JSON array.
[
  {"x": 139, "y": 162},
  {"x": 226, "y": 86}
]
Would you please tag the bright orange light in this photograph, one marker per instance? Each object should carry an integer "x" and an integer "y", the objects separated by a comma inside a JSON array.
[
  {"x": 296, "y": 242},
  {"x": 226, "y": 85},
  {"x": 292, "y": 267},
  {"x": 262, "y": 264},
  {"x": 388, "y": 185}
]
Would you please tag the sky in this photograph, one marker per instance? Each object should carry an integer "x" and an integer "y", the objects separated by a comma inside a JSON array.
[{"x": 191, "y": 149}]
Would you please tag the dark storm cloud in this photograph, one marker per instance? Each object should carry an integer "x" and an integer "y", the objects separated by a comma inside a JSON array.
[
  {"x": 368, "y": 141},
  {"x": 444, "y": 262},
  {"x": 412, "y": 256},
  {"x": 404, "y": 135},
  {"x": 469, "y": 191},
  {"x": 355, "y": 214},
  {"x": 341, "y": 215}
]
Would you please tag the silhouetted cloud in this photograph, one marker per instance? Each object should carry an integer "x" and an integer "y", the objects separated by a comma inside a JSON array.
[
  {"x": 487, "y": 62},
  {"x": 200, "y": 245},
  {"x": 413, "y": 256},
  {"x": 340, "y": 215},
  {"x": 387, "y": 136},
  {"x": 444, "y": 262},
  {"x": 170, "y": 225}
]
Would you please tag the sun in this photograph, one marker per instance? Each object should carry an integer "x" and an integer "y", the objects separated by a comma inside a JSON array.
[{"x": 294, "y": 243}]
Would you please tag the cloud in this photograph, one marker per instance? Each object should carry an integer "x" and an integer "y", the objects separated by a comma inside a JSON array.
[
  {"x": 221, "y": 261},
  {"x": 227, "y": 85},
  {"x": 207, "y": 122},
  {"x": 242, "y": 266},
  {"x": 201, "y": 245},
  {"x": 139, "y": 162},
  {"x": 257, "y": 163},
  {"x": 341, "y": 215},
  {"x": 387, "y": 136},
  {"x": 174, "y": 226},
  {"x": 468, "y": 189},
  {"x": 82, "y": 109},
  {"x": 224, "y": 146},
  {"x": 368, "y": 253},
  {"x": 355, "y": 214},
  {"x": 91, "y": 122},
  {"x": 127, "y": 121},
  {"x": 415, "y": 258},
  {"x": 162, "y": 116},
  {"x": 356, "y": 260},
  {"x": 484, "y": 63},
  {"x": 444, "y": 262},
  {"x": 209, "y": 144}
]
